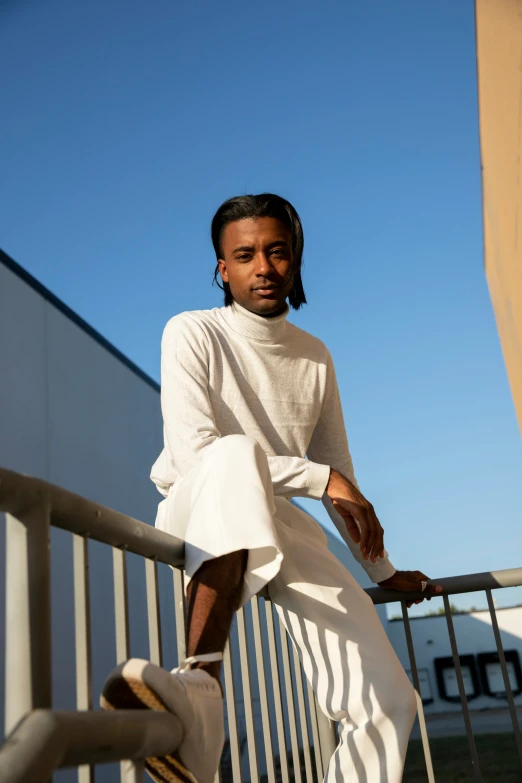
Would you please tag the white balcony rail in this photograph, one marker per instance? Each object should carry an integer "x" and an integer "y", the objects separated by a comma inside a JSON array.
[{"x": 41, "y": 740}]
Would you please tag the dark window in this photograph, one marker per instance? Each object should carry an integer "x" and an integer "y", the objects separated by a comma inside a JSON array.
[
  {"x": 491, "y": 673},
  {"x": 447, "y": 678}
]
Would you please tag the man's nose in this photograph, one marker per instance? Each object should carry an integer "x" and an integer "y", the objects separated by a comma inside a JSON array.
[{"x": 263, "y": 264}]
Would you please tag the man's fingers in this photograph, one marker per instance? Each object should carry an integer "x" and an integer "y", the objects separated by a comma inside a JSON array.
[
  {"x": 374, "y": 535},
  {"x": 430, "y": 589},
  {"x": 364, "y": 528},
  {"x": 380, "y": 539},
  {"x": 365, "y": 532},
  {"x": 353, "y": 528},
  {"x": 351, "y": 525},
  {"x": 377, "y": 534},
  {"x": 366, "y": 537},
  {"x": 373, "y": 524},
  {"x": 356, "y": 524}
]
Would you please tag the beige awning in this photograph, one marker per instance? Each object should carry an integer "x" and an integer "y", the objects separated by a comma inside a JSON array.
[{"x": 499, "y": 56}]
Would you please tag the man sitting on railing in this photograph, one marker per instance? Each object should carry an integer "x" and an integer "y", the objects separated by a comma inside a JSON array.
[{"x": 252, "y": 417}]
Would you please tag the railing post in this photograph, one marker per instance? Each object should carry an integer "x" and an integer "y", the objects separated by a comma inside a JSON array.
[
  {"x": 28, "y": 614},
  {"x": 505, "y": 674},
  {"x": 132, "y": 771},
  {"x": 327, "y": 730},
  {"x": 462, "y": 692},
  {"x": 313, "y": 707},
  {"x": 416, "y": 684},
  {"x": 82, "y": 630}
]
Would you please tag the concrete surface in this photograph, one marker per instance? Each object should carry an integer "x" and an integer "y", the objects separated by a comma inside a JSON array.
[{"x": 451, "y": 724}]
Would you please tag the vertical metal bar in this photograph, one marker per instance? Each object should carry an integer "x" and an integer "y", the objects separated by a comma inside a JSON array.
[
  {"x": 505, "y": 674},
  {"x": 247, "y": 696},
  {"x": 121, "y": 604},
  {"x": 233, "y": 734},
  {"x": 82, "y": 625},
  {"x": 327, "y": 736},
  {"x": 315, "y": 732},
  {"x": 263, "y": 692},
  {"x": 138, "y": 772},
  {"x": 416, "y": 685},
  {"x": 276, "y": 682},
  {"x": 462, "y": 691},
  {"x": 153, "y": 611},
  {"x": 130, "y": 772},
  {"x": 302, "y": 715},
  {"x": 179, "y": 609},
  {"x": 28, "y": 614},
  {"x": 292, "y": 717}
]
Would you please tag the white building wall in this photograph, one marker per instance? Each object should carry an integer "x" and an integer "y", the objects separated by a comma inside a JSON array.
[
  {"x": 474, "y": 635},
  {"x": 23, "y": 372},
  {"x": 74, "y": 415}
]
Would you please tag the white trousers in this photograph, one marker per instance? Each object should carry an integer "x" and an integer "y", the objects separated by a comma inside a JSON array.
[{"x": 226, "y": 503}]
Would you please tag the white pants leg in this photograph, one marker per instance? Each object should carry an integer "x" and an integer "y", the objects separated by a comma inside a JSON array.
[
  {"x": 226, "y": 504},
  {"x": 346, "y": 655}
]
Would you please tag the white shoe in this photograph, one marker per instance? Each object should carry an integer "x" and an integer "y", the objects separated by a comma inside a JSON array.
[{"x": 193, "y": 696}]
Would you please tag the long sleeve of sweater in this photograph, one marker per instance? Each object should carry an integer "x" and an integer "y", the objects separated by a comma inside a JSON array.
[
  {"x": 329, "y": 445},
  {"x": 189, "y": 421}
]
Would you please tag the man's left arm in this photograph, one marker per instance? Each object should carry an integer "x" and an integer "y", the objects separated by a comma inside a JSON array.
[{"x": 329, "y": 445}]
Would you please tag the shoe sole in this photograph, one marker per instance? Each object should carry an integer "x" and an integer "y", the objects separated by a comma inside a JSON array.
[{"x": 130, "y": 692}]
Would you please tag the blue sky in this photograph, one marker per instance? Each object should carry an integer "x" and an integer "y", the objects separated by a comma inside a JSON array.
[{"x": 125, "y": 125}]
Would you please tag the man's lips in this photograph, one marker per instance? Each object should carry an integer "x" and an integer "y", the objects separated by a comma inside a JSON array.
[{"x": 266, "y": 288}]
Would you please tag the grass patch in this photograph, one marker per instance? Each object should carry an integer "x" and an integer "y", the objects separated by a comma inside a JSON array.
[{"x": 498, "y": 759}]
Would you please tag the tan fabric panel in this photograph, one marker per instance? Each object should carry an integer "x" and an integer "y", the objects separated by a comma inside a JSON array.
[{"x": 499, "y": 57}]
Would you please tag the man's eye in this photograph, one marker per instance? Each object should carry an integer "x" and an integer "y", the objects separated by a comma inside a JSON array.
[{"x": 243, "y": 257}]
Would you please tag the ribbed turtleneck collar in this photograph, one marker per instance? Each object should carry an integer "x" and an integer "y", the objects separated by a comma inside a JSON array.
[{"x": 256, "y": 327}]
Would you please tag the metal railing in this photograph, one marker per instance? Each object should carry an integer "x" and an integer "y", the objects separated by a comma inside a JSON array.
[
  {"x": 486, "y": 581},
  {"x": 41, "y": 740}
]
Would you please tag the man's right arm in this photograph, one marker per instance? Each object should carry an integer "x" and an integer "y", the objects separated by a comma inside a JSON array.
[{"x": 188, "y": 419}]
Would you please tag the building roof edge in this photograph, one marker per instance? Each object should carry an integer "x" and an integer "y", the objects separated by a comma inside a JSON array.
[{"x": 44, "y": 292}]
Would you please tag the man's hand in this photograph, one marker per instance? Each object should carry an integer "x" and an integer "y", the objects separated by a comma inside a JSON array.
[
  {"x": 411, "y": 582},
  {"x": 359, "y": 516}
]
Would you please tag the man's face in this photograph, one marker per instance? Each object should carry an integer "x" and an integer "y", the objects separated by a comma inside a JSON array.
[{"x": 257, "y": 252}]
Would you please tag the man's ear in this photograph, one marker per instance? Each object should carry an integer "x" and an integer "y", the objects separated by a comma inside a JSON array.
[{"x": 223, "y": 270}]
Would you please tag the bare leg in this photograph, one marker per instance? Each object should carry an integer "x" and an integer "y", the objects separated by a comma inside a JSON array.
[{"x": 213, "y": 597}]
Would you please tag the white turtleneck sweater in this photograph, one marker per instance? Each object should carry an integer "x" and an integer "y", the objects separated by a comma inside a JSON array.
[{"x": 228, "y": 371}]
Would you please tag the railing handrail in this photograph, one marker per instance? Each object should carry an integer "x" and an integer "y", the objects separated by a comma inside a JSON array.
[
  {"x": 46, "y": 740},
  {"x": 52, "y": 739},
  {"x": 77, "y": 514},
  {"x": 466, "y": 583},
  {"x": 19, "y": 492}
]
